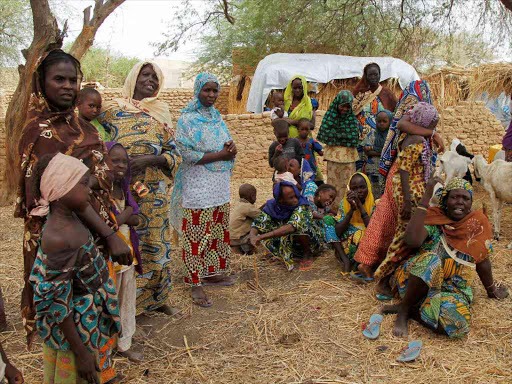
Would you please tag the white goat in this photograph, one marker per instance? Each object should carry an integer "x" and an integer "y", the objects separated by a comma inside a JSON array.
[
  {"x": 453, "y": 165},
  {"x": 496, "y": 179}
]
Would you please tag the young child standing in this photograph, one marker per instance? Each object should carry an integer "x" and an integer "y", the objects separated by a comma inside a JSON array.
[
  {"x": 125, "y": 210},
  {"x": 278, "y": 111},
  {"x": 77, "y": 311},
  {"x": 89, "y": 108},
  {"x": 309, "y": 145},
  {"x": 241, "y": 218},
  {"x": 284, "y": 145},
  {"x": 373, "y": 145},
  {"x": 416, "y": 161}
]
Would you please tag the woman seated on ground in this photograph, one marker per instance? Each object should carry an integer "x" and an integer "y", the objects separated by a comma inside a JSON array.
[
  {"x": 285, "y": 227},
  {"x": 435, "y": 284},
  {"x": 352, "y": 220}
]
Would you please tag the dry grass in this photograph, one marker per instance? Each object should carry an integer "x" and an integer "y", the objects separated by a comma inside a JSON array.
[
  {"x": 299, "y": 327},
  {"x": 491, "y": 78}
]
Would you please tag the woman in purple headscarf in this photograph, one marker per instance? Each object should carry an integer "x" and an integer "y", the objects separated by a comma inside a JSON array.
[
  {"x": 125, "y": 210},
  {"x": 507, "y": 143},
  {"x": 285, "y": 227}
]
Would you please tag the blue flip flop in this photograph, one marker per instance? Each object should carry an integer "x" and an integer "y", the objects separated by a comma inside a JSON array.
[
  {"x": 360, "y": 277},
  {"x": 372, "y": 329},
  {"x": 412, "y": 352},
  {"x": 382, "y": 297}
]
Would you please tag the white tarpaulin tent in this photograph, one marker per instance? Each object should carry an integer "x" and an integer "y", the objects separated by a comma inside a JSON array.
[{"x": 275, "y": 71}]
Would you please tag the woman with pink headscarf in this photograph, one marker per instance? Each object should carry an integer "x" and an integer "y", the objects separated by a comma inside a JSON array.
[{"x": 416, "y": 160}]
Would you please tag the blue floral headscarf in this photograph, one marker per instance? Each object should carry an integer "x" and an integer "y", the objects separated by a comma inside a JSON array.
[{"x": 200, "y": 130}]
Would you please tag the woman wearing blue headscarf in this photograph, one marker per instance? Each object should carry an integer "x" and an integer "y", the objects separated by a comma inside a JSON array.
[{"x": 201, "y": 195}]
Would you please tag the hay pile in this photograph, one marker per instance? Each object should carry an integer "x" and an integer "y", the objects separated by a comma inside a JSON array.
[
  {"x": 299, "y": 327},
  {"x": 491, "y": 78}
]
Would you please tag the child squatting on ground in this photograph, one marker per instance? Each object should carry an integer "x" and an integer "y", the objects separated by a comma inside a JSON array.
[
  {"x": 77, "y": 311},
  {"x": 89, "y": 108},
  {"x": 241, "y": 218}
]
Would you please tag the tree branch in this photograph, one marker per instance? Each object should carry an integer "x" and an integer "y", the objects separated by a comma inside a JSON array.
[
  {"x": 507, "y": 4},
  {"x": 226, "y": 12},
  {"x": 86, "y": 37}
]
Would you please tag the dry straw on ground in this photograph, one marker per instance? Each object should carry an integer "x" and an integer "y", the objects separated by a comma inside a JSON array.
[{"x": 281, "y": 327}]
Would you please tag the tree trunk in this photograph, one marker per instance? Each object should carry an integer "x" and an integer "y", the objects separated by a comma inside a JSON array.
[{"x": 47, "y": 36}]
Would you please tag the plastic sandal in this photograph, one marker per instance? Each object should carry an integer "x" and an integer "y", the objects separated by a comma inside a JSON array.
[
  {"x": 359, "y": 276},
  {"x": 412, "y": 352},
  {"x": 382, "y": 297},
  {"x": 372, "y": 329}
]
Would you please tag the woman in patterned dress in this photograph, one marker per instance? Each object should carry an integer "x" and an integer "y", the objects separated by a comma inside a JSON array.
[
  {"x": 339, "y": 132},
  {"x": 141, "y": 123},
  {"x": 416, "y": 161},
  {"x": 201, "y": 195},
  {"x": 453, "y": 242},
  {"x": 286, "y": 228},
  {"x": 52, "y": 126}
]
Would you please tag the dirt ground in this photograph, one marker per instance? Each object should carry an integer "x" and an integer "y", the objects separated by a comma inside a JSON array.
[{"x": 299, "y": 327}]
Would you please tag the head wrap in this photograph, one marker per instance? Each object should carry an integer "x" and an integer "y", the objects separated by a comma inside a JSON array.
[
  {"x": 472, "y": 234},
  {"x": 303, "y": 110},
  {"x": 337, "y": 129},
  {"x": 414, "y": 93},
  {"x": 60, "y": 176},
  {"x": 200, "y": 130},
  {"x": 279, "y": 211},
  {"x": 388, "y": 113},
  {"x": 314, "y": 103},
  {"x": 154, "y": 107},
  {"x": 369, "y": 203},
  {"x": 423, "y": 114}
]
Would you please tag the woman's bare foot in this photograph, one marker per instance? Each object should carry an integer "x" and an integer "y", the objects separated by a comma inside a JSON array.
[
  {"x": 168, "y": 310},
  {"x": 400, "y": 328},
  {"x": 365, "y": 270},
  {"x": 383, "y": 286},
  {"x": 199, "y": 297},
  {"x": 134, "y": 357}
]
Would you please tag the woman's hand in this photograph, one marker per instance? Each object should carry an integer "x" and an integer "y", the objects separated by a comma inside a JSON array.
[
  {"x": 438, "y": 142},
  {"x": 119, "y": 251},
  {"x": 87, "y": 367},
  {"x": 139, "y": 164},
  {"x": 225, "y": 154},
  {"x": 407, "y": 209},
  {"x": 13, "y": 375},
  {"x": 255, "y": 240},
  {"x": 431, "y": 184},
  {"x": 352, "y": 199},
  {"x": 231, "y": 147}
]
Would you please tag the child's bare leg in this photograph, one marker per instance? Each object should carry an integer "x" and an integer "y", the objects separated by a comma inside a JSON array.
[{"x": 342, "y": 257}]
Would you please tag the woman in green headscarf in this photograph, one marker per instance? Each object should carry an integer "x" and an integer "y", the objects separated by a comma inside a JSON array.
[
  {"x": 298, "y": 105},
  {"x": 340, "y": 132}
]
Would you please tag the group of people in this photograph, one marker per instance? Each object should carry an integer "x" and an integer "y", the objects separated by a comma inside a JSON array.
[{"x": 94, "y": 194}]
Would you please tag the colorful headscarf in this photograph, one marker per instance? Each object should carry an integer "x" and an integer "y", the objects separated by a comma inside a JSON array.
[
  {"x": 303, "y": 110},
  {"x": 369, "y": 203},
  {"x": 130, "y": 201},
  {"x": 472, "y": 235},
  {"x": 154, "y": 107},
  {"x": 279, "y": 211},
  {"x": 455, "y": 183},
  {"x": 337, "y": 129},
  {"x": 414, "y": 93},
  {"x": 200, "y": 130},
  {"x": 60, "y": 176}
]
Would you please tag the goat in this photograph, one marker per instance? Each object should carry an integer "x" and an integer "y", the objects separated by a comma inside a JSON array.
[
  {"x": 496, "y": 179},
  {"x": 453, "y": 165}
]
